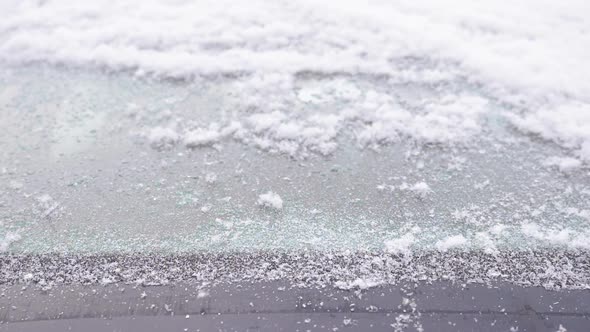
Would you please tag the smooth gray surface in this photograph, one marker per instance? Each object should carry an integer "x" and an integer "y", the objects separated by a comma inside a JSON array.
[{"x": 440, "y": 306}]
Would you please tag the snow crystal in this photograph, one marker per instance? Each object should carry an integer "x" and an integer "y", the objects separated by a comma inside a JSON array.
[{"x": 271, "y": 200}]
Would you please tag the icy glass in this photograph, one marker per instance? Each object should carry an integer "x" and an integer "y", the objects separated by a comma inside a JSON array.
[{"x": 87, "y": 165}]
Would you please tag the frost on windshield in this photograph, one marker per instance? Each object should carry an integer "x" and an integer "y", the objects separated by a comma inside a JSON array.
[{"x": 417, "y": 137}]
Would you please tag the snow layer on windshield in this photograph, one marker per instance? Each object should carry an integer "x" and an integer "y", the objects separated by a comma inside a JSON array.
[
  {"x": 534, "y": 62},
  {"x": 404, "y": 129},
  {"x": 542, "y": 50}
]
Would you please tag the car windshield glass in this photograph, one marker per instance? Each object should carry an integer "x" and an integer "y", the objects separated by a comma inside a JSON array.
[{"x": 335, "y": 144}]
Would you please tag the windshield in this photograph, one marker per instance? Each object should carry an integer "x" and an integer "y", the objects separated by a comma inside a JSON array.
[{"x": 344, "y": 145}]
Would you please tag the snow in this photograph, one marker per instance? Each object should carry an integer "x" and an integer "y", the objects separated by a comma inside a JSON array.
[
  {"x": 499, "y": 54},
  {"x": 504, "y": 45},
  {"x": 15, "y": 185},
  {"x": 566, "y": 123},
  {"x": 556, "y": 236},
  {"x": 347, "y": 270},
  {"x": 162, "y": 138},
  {"x": 564, "y": 164},
  {"x": 358, "y": 283},
  {"x": 203, "y": 293},
  {"x": 420, "y": 189},
  {"x": 450, "y": 242},
  {"x": 270, "y": 200},
  {"x": 8, "y": 239},
  {"x": 202, "y": 137},
  {"x": 401, "y": 245},
  {"x": 210, "y": 178},
  {"x": 303, "y": 77}
]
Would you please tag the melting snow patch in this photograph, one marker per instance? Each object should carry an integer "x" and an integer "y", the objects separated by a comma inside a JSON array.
[{"x": 270, "y": 200}]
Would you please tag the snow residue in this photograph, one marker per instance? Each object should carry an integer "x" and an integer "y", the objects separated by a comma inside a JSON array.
[
  {"x": 552, "y": 269},
  {"x": 202, "y": 137},
  {"x": 271, "y": 200},
  {"x": 359, "y": 283},
  {"x": 451, "y": 242},
  {"x": 582, "y": 213},
  {"x": 203, "y": 293},
  {"x": 15, "y": 185},
  {"x": 420, "y": 189},
  {"x": 8, "y": 239},
  {"x": 449, "y": 119},
  {"x": 371, "y": 119},
  {"x": 401, "y": 245},
  {"x": 564, "y": 164},
  {"x": 161, "y": 138},
  {"x": 210, "y": 178},
  {"x": 567, "y": 123},
  {"x": 562, "y": 237},
  {"x": 497, "y": 229},
  {"x": 486, "y": 242},
  {"x": 467, "y": 52},
  {"x": 505, "y": 46}
]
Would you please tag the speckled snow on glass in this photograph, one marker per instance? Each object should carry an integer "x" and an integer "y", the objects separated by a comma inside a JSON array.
[
  {"x": 81, "y": 173},
  {"x": 345, "y": 142}
]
